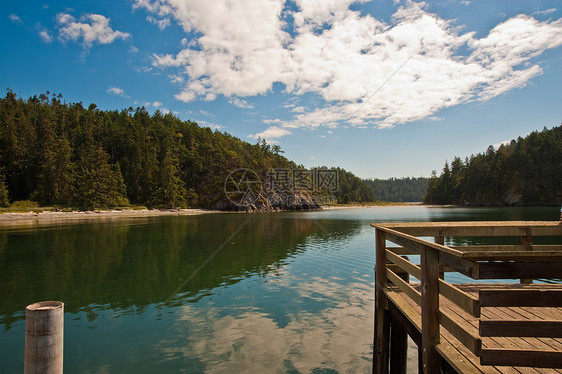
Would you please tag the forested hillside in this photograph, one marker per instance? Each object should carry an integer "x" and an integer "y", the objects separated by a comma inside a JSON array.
[
  {"x": 399, "y": 189},
  {"x": 65, "y": 155},
  {"x": 528, "y": 171}
]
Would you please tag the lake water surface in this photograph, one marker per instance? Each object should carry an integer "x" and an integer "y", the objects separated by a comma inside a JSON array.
[{"x": 217, "y": 293}]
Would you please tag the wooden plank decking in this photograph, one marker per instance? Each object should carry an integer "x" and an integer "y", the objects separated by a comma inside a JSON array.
[
  {"x": 457, "y": 353},
  {"x": 474, "y": 327}
]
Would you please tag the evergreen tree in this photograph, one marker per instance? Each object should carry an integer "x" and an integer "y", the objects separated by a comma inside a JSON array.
[
  {"x": 69, "y": 155},
  {"x": 528, "y": 171},
  {"x": 99, "y": 185},
  {"x": 171, "y": 192},
  {"x": 4, "y": 202}
]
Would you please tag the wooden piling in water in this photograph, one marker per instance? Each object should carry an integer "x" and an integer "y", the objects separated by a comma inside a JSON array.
[
  {"x": 44, "y": 330},
  {"x": 399, "y": 341},
  {"x": 382, "y": 317}
]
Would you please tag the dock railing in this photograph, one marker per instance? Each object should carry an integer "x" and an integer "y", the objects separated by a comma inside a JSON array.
[{"x": 467, "y": 327}]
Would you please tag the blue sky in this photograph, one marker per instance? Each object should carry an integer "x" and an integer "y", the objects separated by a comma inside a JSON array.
[{"x": 382, "y": 88}]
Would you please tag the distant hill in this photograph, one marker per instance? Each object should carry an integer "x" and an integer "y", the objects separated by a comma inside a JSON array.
[
  {"x": 528, "y": 171},
  {"x": 399, "y": 189},
  {"x": 63, "y": 154}
]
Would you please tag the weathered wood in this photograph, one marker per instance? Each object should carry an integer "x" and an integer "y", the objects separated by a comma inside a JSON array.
[
  {"x": 398, "y": 342},
  {"x": 398, "y": 349},
  {"x": 521, "y": 357},
  {"x": 465, "y": 301},
  {"x": 520, "y": 298},
  {"x": 430, "y": 309},
  {"x": 404, "y": 264},
  {"x": 395, "y": 268},
  {"x": 523, "y": 256},
  {"x": 459, "y": 362},
  {"x": 44, "y": 331},
  {"x": 521, "y": 328},
  {"x": 478, "y": 228},
  {"x": 404, "y": 242},
  {"x": 468, "y": 303},
  {"x": 505, "y": 248},
  {"x": 526, "y": 241},
  {"x": 440, "y": 240},
  {"x": 382, "y": 341},
  {"x": 382, "y": 317},
  {"x": 404, "y": 286},
  {"x": 406, "y": 315},
  {"x": 465, "y": 267},
  {"x": 461, "y": 331},
  {"x": 511, "y": 270},
  {"x": 402, "y": 251},
  {"x": 409, "y": 241},
  {"x": 380, "y": 269},
  {"x": 515, "y": 335}
]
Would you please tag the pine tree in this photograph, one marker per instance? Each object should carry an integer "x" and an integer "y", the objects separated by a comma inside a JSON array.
[
  {"x": 4, "y": 202},
  {"x": 99, "y": 185},
  {"x": 171, "y": 192}
]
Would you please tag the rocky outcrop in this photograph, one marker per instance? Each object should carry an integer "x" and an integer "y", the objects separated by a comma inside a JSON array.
[{"x": 271, "y": 201}]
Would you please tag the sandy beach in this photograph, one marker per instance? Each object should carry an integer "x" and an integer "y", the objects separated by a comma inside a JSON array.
[{"x": 32, "y": 218}]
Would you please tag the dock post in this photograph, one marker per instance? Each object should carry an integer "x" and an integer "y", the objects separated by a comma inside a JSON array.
[
  {"x": 44, "y": 330},
  {"x": 382, "y": 317},
  {"x": 440, "y": 239},
  {"x": 430, "y": 309},
  {"x": 526, "y": 241},
  {"x": 399, "y": 341}
]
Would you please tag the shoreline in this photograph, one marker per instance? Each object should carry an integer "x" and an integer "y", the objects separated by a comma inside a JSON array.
[
  {"x": 31, "y": 218},
  {"x": 26, "y": 218},
  {"x": 385, "y": 205}
]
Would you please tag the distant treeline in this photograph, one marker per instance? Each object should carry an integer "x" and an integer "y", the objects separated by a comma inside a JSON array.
[
  {"x": 528, "y": 171},
  {"x": 399, "y": 189},
  {"x": 61, "y": 154}
]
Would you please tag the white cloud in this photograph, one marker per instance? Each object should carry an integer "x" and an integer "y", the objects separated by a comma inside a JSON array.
[
  {"x": 15, "y": 18},
  {"x": 45, "y": 36},
  {"x": 505, "y": 142},
  {"x": 117, "y": 91},
  {"x": 211, "y": 125},
  {"x": 544, "y": 12},
  {"x": 176, "y": 79},
  {"x": 271, "y": 134},
  {"x": 252, "y": 341},
  {"x": 240, "y": 103},
  {"x": 133, "y": 49},
  {"x": 161, "y": 23},
  {"x": 94, "y": 28},
  {"x": 366, "y": 71}
]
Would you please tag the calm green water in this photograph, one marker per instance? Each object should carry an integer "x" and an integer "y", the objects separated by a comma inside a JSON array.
[{"x": 219, "y": 293}]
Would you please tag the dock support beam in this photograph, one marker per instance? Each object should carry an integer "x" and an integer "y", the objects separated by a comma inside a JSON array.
[
  {"x": 44, "y": 330},
  {"x": 430, "y": 309},
  {"x": 382, "y": 315},
  {"x": 399, "y": 341}
]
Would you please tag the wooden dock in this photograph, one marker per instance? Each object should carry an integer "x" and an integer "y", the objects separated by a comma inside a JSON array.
[{"x": 490, "y": 327}]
